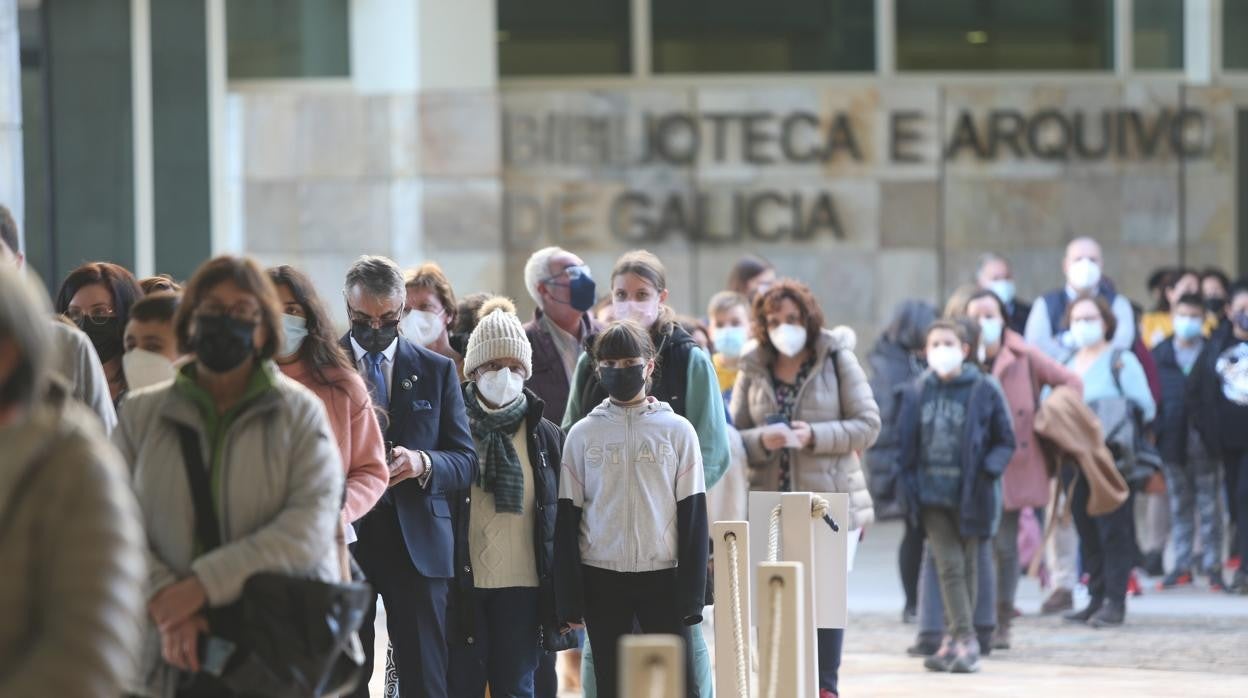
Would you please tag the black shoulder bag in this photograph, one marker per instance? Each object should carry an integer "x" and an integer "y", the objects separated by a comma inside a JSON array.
[{"x": 286, "y": 636}]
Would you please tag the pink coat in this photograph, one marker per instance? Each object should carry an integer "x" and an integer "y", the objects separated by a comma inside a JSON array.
[
  {"x": 1023, "y": 371},
  {"x": 355, "y": 426}
]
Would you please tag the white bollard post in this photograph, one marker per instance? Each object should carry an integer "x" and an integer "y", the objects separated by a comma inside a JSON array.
[
  {"x": 797, "y": 541},
  {"x": 781, "y": 636},
  {"x": 732, "y": 610},
  {"x": 652, "y": 666}
]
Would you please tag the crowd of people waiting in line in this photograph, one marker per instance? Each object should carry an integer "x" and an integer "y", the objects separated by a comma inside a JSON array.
[{"x": 514, "y": 491}]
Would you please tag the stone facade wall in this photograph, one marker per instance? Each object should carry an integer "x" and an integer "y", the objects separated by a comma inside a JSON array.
[{"x": 477, "y": 181}]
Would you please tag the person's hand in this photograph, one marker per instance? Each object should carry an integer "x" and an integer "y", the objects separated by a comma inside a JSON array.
[
  {"x": 803, "y": 433},
  {"x": 405, "y": 465},
  {"x": 179, "y": 645},
  {"x": 177, "y": 602},
  {"x": 774, "y": 439}
]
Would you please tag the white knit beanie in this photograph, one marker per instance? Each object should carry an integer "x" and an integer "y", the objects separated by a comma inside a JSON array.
[{"x": 498, "y": 335}]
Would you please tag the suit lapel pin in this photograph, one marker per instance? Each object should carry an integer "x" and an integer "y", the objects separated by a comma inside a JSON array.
[{"x": 408, "y": 382}]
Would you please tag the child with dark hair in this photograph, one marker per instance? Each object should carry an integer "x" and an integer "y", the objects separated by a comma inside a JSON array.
[
  {"x": 956, "y": 440},
  {"x": 1191, "y": 474},
  {"x": 631, "y": 537}
]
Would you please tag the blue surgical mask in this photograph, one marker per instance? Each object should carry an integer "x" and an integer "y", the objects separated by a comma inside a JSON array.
[
  {"x": 296, "y": 330},
  {"x": 729, "y": 341},
  {"x": 582, "y": 291},
  {"x": 1087, "y": 332},
  {"x": 1187, "y": 327},
  {"x": 990, "y": 330},
  {"x": 1004, "y": 288}
]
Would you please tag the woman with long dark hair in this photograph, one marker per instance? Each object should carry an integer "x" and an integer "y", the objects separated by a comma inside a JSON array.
[
  {"x": 97, "y": 297},
  {"x": 312, "y": 356}
]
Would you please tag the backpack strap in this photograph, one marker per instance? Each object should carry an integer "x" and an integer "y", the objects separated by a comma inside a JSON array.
[
  {"x": 207, "y": 529},
  {"x": 1115, "y": 368}
]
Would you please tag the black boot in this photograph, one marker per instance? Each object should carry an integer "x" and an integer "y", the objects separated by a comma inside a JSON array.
[
  {"x": 984, "y": 636},
  {"x": 1111, "y": 615},
  {"x": 1083, "y": 616}
]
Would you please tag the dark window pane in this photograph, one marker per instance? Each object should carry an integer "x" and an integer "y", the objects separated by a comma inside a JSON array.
[
  {"x": 1005, "y": 35},
  {"x": 564, "y": 37},
  {"x": 1157, "y": 37},
  {"x": 288, "y": 38},
  {"x": 762, "y": 36},
  {"x": 1234, "y": 24}
]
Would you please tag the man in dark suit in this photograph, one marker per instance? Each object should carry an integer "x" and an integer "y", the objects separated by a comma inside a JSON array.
[
  {"x": 995, "y": 274},
  {"x": 406, "y": 545}
]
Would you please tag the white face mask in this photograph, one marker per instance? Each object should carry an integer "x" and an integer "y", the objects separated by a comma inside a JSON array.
[
  {"x": 1004, "y": 288},
  {"x": 990, "y": 330},
  {"x": 1083, "y": 274},
  {"x": 500, "y": 387},
  {"x": 729, "y": 341},
  {"x": 1087, "y": 332},
  {"x": 421, "y": 327},
  {"x": 296, "y": 330},
  {"x": 145, "y": 368},
  {"x": 788, "y": 339},
  {"x": 643, "y": 313},
  {"x": 945, "y": 359}
]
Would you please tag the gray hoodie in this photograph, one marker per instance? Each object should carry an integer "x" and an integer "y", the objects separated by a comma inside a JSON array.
[{"x": 632, "y": 499}]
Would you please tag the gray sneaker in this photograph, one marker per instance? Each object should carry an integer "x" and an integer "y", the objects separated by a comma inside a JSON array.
[
  {"x": 965, "y": 656},
  {"x": 943, "y": 659}
]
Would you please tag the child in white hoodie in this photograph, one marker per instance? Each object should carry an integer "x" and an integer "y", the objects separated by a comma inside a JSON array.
[{"x": 631, "y": 537}]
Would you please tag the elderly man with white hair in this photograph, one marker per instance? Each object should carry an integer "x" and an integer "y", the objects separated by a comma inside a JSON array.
[
  {"x": 1082, "y": 265},
  {"x": 564, "y": 290}
]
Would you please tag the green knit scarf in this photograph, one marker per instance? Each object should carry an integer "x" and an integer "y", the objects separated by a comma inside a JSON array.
[{"x": 499, "y": 468}]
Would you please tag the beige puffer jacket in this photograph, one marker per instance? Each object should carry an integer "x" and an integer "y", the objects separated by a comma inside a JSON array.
[
  {"x": 837, "y": 403},
  {"x": 71, "y": 595},
  {"x": 280, "y": 491}
]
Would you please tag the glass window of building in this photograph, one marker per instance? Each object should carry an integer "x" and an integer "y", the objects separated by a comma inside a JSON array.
[
  {"x": 1234, "y": 23},
  {"x": 564, "y": 37},
  {"x": 752, "y": 36},
  {"x": 288, "y": 38},
  {"x": 990, "y": 35},
  {"x": 1157, "y": 34}
]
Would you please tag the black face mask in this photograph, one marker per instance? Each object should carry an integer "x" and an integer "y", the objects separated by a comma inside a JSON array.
[
  {"x": 106, "y": 338},
  {"x": 372, "y": 340},
  {"x": 223, "y": 343},
  {"x": 1215, "y": 305},
  {"x": 623, "y": 384}
]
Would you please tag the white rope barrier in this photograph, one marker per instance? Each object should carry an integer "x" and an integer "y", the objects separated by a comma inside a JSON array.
[
  {"x": 738, "y": 624},
  {"x": 819, "y": 508}
]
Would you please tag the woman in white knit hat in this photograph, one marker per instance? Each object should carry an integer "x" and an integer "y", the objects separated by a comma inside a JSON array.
[{"x": 503, "y": 614}]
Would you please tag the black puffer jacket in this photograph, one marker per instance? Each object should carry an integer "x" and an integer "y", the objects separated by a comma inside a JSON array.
[
  {"x": 545, "y": 455},
  {"x": 891, "y": 366}
]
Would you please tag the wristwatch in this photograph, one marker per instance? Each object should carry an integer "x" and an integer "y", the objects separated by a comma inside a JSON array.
[{"x": 428, "y": 469}]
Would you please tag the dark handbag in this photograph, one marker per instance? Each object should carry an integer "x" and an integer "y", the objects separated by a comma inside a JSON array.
[{"x": 286, "y": 636}]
